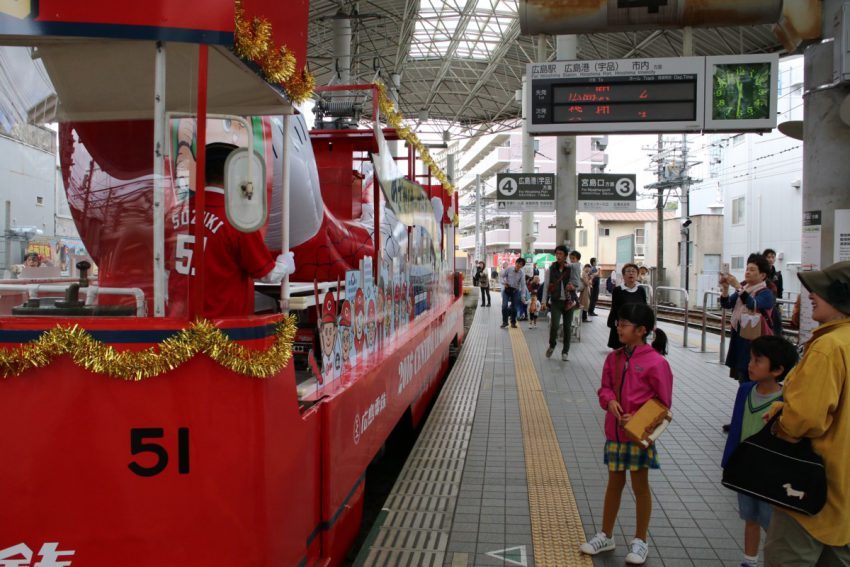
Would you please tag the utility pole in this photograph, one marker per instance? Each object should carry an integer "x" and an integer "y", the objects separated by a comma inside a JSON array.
[
  {"x": 686, "y": 213},
  {"x": 659, "y": 229}
]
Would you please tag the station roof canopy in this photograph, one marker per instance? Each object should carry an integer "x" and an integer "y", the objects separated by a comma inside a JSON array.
[{"x": 461, "y": 61}]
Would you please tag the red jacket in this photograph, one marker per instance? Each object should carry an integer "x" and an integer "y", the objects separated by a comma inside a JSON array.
[{"x": 645, "y": 375}]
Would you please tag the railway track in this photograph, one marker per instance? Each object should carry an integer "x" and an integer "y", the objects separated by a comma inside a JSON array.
[{"x": 713, "y": 318}]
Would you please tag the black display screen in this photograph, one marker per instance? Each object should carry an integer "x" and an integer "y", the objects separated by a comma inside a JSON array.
[{"x": 653, "y": 98}]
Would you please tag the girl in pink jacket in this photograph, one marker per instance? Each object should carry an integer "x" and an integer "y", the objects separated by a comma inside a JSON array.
[{"x": 643, "y": 374}]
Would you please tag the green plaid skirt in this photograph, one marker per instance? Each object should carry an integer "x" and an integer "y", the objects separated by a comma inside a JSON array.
[{"x": 630, "y": 456}]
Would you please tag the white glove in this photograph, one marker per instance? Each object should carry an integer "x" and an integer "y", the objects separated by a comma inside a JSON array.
[{"x": 283, "y": 266}]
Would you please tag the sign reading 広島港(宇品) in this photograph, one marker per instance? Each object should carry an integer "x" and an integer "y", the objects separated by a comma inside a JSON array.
[
  {"x": 612, "y": 192},
  {"x": 525, "y": 192}
]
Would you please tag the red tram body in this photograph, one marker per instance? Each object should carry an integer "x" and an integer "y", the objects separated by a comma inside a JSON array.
[{"x": 206, "y": 453}]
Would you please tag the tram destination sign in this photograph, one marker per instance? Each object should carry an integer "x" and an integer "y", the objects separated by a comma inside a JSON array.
[
  {"x": 735, "y": 93},
  {"x": 617, "y": 95},
  {"x": 608, "y": 192},
  {"x": 525, "y": 192}
]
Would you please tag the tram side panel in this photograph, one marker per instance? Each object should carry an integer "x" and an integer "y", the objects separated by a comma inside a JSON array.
[
  {"x": 358, "y": 419},
  {"x": 197, "y": 466}
]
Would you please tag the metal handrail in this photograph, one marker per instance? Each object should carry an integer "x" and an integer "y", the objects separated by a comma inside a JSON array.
[
  {"x": 650, "y": 295},
  {"x": 684, "y": 292},
  {"x": 705, "y": 316}
]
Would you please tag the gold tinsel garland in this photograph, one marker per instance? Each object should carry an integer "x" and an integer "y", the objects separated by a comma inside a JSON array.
[
  {"x": 395, "y": 119},
  {"x": 201, "y": 337},
  {"x": 253, "y": 41}
]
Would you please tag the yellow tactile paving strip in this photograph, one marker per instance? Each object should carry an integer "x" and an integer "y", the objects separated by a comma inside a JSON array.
[{"x": 556, "y": 527}]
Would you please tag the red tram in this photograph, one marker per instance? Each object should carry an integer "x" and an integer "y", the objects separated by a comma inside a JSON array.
[{"x": 136, "y": 430}]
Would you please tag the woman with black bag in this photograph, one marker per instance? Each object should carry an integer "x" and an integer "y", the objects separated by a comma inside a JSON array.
[
  {"x": 482, "y": 280},
  {"x": 817, "y": 407}
]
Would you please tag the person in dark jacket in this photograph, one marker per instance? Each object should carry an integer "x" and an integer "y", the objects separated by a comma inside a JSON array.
[
  {"x": 481, "y": 279},
  {"x": 752, "y": 295},
  {"x": 771, "y": 358},
  {"x": 594, "y": 291},
  {"x": 626, "y": 292},
  {"x": 774, "y": 281}
]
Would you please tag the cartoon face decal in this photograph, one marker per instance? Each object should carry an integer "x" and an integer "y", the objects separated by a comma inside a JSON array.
[
  {"x": 328, "y": 331},
  {"x": 328, "y": 339},
  {"x": 345, "y": 331},
  {"x": 359, "y": 316},
  {"x": 370, "y": 326}
]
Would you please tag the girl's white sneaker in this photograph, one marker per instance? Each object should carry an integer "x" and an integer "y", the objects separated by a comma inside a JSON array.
[
  {"x": 597, "y": 544},
  {"x": 638, "y": 550}
]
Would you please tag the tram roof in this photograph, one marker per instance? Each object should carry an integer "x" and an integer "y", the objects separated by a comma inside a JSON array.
[{"x": 461, "y": 61}]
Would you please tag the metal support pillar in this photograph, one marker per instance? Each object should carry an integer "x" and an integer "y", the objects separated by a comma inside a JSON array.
[
  {"x": 478, "y": 252},
  {"x": 825, "y": 148},
  {"x": 566, "y": 200}
]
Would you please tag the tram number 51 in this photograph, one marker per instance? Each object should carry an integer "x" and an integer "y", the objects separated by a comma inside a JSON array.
[{"x": 139, "y": 443}]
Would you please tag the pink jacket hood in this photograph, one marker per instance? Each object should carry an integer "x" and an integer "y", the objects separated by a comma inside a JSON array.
[{"x": 647, "y": 375}]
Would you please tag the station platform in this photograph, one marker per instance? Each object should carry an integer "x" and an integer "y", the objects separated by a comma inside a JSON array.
[{"x": 508, "y": 469}]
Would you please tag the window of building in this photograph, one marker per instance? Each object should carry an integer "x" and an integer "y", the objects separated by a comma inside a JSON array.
[
  {"x": 582, "y": 238},
  {"x": 738, "y": 210},
  {"x": 640, "y": 242},
  {"x": 39, "y": 201},
  {"x": 737, "y": 263},
  {"x": 604, "y": 231}
]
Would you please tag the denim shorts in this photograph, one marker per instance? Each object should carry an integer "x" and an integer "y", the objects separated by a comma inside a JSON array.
[{"x": 754, "y": 510}]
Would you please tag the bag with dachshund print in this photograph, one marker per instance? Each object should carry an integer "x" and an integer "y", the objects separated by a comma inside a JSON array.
[{"x": 785, "y": 474}]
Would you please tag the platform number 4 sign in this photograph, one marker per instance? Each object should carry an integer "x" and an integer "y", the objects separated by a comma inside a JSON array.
[{"x": 651, "y": 5}]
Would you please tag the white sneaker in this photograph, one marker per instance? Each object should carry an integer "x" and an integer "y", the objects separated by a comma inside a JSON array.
[
  {"x": 597, "y": 544},
  {"x": 565, "y": 357},
  {"x": 638, "y": 550}
]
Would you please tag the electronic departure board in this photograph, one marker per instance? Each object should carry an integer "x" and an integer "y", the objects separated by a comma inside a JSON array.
[
  {"x": 735, "y": 93},
  {"x": 624, "y": 95}
]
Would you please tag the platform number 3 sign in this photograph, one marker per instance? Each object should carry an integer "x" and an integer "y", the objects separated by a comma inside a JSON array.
[{"x": 652, "y": 6}]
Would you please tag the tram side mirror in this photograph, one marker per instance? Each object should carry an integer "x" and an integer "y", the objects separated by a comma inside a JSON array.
[{"x": 245, "y": 195}]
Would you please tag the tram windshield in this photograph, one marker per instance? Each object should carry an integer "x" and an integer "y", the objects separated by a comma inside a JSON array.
[{"x": 84, "y": 183}]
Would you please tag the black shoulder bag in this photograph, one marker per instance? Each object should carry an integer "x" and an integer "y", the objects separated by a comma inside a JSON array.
[{"x": 785, "y": 474}]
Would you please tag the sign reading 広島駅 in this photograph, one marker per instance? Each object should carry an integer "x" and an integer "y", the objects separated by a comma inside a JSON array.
[
  {"x": 607, "y": 192},
  {"x": 525, "y": 192}
]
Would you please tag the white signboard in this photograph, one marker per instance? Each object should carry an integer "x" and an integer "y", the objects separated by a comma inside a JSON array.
[
  {"x": 810, "y": 248},
  {"x": 841, "y": 248}
]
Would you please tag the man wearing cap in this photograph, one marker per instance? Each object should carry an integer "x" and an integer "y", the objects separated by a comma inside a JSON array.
[
  {"x": 328, "y": 335},
  {"x": 817, "y": 406},
  {"x": 345, "y": 334},
  {"x": 232, "y": 259}
]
